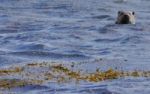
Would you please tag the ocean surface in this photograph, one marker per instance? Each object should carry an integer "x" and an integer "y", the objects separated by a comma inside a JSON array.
[{"x": 77, "y": 31}]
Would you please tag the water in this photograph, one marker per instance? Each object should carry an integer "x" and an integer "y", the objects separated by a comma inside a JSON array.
[{"x": 77, "y": 30}]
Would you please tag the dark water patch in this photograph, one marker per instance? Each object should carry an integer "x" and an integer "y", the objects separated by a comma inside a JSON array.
[
  {"x": 61, "y": 10},
  {"x": 131, "y": 39},
  {"x": 78, "y": 37},
  {"x": 108, "y": 28},
  {"x": 88, "y": 86},
  {"x": 23, "y": 27},
  {"x": 87, "y": 91},
  {"x": 3, "y": 31},
  {"x": 27, "y": 88},
  {"x": 66, "y": 27},
  {"x": 96, "y": 91},
  {"x": 12, "y": 27},
  {"x": 32, "y": 37},
  {"x": 41, "y": 5},
  {"x": 2, "y": 16},
  {"x": 136, "y": 28},
  {"x": 55, "y": 90},
  {"x": 92, "y": 28},
  {"x": 102, "y": 17},
  {"x": 31, "y": 27},
  {"x": 107, "y": 40},
  {"x": 74, "y": 52},
  {"x": 4, "y": 43},
  {"x": 120, "y": 1},
  {"x": 144, "y": 11},
  {"x": 104, "y": 52},
  {"x": 47, "y": 5},
  {"x": 31, "y": 46},
  {"x": 79, "y": 89},
  {"x": 20, "y": 8},
  {"x": 43, "y": 54},
  {"x": 2, "y": 52},
  {"x": 62, "y": 6},
  {"x": 103, "y": 9}
]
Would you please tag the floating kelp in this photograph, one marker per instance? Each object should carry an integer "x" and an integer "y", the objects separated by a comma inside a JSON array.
[
  {"x": 11, "y": 70},
  {"x": 40, "y": 73},
  {"x": 10, "y": 83}
]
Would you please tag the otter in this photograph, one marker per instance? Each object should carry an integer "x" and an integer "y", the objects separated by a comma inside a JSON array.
[{"x": 125, "y": 17}]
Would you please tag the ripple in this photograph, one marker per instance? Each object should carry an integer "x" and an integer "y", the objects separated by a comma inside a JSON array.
[
  {"x": 32, "y": 46},
  {"x": 107, "y": 28},
  {"x": 31, "y": 26},
  {"x": 131, "y": 39},
  {"x": 3, "y": 31},
  {"x": 102, "y": 17},
  {"x": 48, "y": 55},
  {"x": 26, "y": 88},
  {"x": 96, "y": 91},
  {"x": 107, "y": 40}
]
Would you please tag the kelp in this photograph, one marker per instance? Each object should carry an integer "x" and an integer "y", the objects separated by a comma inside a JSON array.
[
  {"x": 11, "y": 70},
  {"x": 39, "y": 73},
  {"x": 9, "y": 83}
]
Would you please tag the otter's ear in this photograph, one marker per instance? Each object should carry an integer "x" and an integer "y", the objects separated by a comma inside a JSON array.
[
  {"x": 133, "y": 13},
  {"x": 119, "y": 12}
]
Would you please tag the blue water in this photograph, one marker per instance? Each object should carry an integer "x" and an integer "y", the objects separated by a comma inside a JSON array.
[{"x": 75, "y": 30}]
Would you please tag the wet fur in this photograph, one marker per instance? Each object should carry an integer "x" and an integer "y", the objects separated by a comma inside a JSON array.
[{"x": 122, "y": 20}]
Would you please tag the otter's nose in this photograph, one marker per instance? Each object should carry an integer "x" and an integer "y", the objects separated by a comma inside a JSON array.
[{"x": 125, "y": 19}]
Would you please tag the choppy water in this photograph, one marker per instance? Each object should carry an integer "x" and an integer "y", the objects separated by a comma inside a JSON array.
[{"x": 77, "y": 30}]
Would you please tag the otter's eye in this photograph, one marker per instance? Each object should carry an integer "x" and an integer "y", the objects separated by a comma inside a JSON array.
[{"x": 133, "y": 13}]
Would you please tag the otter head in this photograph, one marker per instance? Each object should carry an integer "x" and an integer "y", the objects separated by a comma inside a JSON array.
[{"x": 125, "y": 17}]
